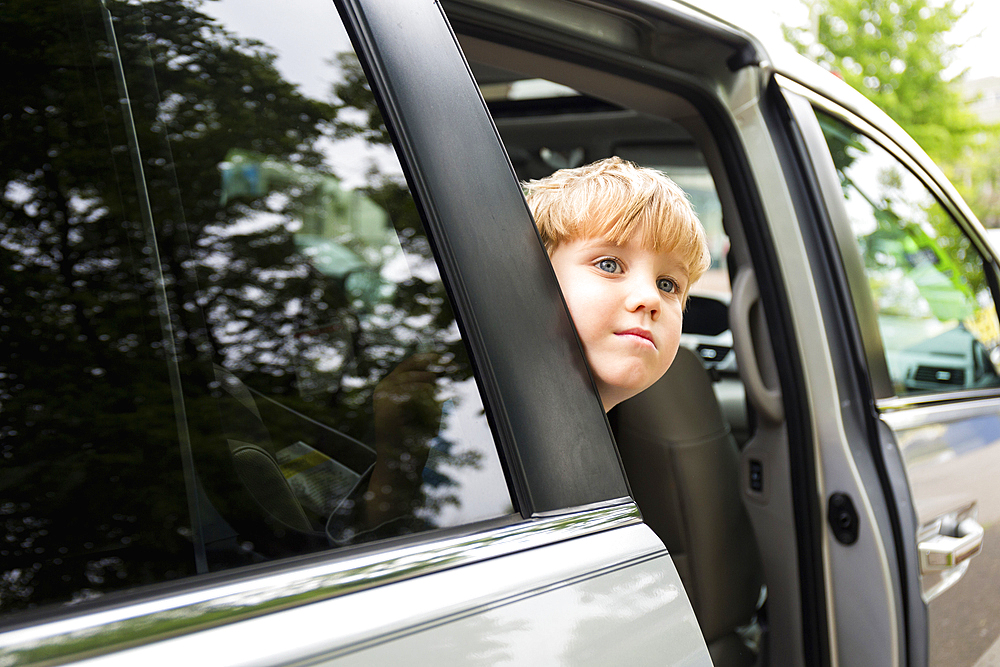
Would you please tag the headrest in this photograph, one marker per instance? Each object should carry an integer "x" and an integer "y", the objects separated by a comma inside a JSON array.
[{"x": 682, "y": 403}]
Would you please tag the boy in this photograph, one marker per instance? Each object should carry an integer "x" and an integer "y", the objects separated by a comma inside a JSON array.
[{"x": 626, "y": 246}]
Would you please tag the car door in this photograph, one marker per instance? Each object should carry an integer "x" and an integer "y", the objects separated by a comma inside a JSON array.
[
  {"x": 217, "y": 274},
  {"x": 923, "y": 287},
  {"x": 671, "y": 89}
]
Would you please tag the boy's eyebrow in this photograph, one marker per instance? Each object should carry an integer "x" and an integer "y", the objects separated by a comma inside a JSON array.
[{"x": 601, "y": 242}]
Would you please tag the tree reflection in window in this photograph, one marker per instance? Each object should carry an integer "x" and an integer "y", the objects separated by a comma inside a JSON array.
[
  {"x": 927, "y": 280},
  {"x": 289, "y": 296}
]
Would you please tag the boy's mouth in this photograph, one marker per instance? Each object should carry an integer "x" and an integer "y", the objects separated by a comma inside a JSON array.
[{"x": 639, "y": 333}]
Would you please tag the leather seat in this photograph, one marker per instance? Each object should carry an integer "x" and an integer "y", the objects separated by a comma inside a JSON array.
[
  {"x": 683, "y": 466},
  {"x": 257, "y": 501}
]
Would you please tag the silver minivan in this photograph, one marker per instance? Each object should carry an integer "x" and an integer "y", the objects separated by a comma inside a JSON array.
[{"x": 286, "y": 377}]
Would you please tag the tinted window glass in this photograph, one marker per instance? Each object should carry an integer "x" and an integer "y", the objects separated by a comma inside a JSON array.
[
  {"x": 927, "y": 280},
  {"x": 224, "y": 336},
  {"x": 91, "y": 487}
]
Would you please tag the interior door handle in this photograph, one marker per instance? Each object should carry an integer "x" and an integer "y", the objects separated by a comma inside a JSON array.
[
  {"x": 766, "y": 400},
  {"x": 943, "y": 551}
]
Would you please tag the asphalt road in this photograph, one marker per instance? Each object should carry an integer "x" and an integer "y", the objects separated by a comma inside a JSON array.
[
  {"x": 965, "y": 620},
  {"x": 949, "y": 466}
]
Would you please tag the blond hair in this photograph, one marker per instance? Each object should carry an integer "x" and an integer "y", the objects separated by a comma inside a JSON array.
[{"x": 618, "y": 200}]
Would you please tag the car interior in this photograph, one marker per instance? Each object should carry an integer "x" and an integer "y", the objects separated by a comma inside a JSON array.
[{"x": 691, "y": 445}]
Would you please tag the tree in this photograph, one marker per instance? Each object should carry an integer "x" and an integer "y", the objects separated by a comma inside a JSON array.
[
  {"x": 896, "y": 52},
  {"x": 87, "y": 404},
  {"x": 977, "y": 175}
]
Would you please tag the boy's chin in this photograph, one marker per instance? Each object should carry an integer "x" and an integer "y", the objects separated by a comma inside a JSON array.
[
  {"x": 612, "y": 396},
  {"x": 626, "y": 381}
]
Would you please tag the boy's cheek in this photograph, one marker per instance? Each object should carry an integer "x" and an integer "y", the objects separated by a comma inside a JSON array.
[{"x": 672, "y": 344}]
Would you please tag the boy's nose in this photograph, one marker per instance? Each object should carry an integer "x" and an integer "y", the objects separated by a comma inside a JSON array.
[{"x": 644, "y": 297}]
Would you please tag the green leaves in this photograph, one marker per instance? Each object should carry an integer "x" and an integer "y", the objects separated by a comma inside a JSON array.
[{"x": 896, "y": 53}]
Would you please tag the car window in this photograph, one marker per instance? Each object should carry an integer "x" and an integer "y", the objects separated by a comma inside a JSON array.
[
  {"x": 224, "y": 339},
  {"x": 927, "y": 280},
  {"x": 546, "y": 126}
]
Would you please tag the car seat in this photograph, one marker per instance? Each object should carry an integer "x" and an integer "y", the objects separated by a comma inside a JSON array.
[
  {"x": 259, "y": 502},
  {"x": 683, "y": 467}
]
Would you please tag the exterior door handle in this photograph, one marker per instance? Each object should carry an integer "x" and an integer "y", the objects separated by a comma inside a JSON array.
[
  {"x": 944, "y": 551},
  {"x": 945, "y": 547}
]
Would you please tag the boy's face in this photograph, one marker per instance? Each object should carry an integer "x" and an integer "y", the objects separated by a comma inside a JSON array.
[{"x": 626, "y": 302}]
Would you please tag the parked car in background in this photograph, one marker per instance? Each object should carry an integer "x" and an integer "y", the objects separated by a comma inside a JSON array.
[{"x": 286, "y": 376}]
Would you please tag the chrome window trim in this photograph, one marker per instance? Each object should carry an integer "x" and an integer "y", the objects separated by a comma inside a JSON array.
[
  {"x": 101, "y": 632},
  {"x": 911, "y": 401},
  {"x": 899, "y": 412}
]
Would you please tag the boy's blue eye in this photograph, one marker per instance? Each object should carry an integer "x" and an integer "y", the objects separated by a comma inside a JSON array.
[
  {"x": 667, "y": 285},
  {"x": 609, "y": 265}
]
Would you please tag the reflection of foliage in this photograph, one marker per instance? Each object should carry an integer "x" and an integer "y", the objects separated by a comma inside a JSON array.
[
  {"x": 355, "y": 95},
  {"x": 82, "y": 363},
  {"x": 977, "y": 176},
  {"x": 913, "y": 231},
  {"x": 441, "y": 490},
  {"x": 927, "y": 280},
  {"x": 92, "y": 494}
]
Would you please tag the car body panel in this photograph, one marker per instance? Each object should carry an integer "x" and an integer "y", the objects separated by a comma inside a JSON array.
[
  {"x": 951, "y": 453},
  {"x": 316, "y": 579},
  {"x": 845, "y": 465},
  {"x": 607, "y": 598}
]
